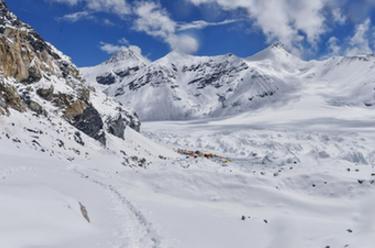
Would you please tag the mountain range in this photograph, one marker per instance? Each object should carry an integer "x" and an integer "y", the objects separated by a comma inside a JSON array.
[{"x": 180, "y": 86}]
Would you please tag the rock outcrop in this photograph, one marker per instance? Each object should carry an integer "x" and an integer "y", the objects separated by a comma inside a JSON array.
[{"x": 36, "y": 77}]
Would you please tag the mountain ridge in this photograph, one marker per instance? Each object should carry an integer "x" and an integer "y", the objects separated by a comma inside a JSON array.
[
  {"x": 179, "y": 86},
  {"x": 46, "y": 105}
]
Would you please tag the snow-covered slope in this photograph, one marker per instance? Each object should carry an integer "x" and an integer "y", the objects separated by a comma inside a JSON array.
[
  {"x": 298, "y": 170},
  {"x": 40, "y": 84},
  {"x": 180, "y": 86}
]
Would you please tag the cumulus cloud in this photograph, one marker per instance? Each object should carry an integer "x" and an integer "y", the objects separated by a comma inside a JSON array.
[
  {"x": 110, "y": 48},
  {"x": 359, "y": 43},
  {"x": 356, "y": 44},
  {"x": 152, "y": 19},
  {"x": 289, "y": 21}
]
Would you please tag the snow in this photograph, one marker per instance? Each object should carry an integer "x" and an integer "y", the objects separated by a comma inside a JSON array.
[
  {"x": 185, "y": 87},
  {"x": 296, "y": 185},
  {"x": 293, "y": 166}
]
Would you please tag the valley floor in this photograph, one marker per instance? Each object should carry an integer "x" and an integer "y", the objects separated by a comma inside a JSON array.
[{"x": 273, "y": 187}]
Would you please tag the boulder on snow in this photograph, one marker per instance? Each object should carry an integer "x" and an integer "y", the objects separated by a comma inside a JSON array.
[
  {"x": 10, "y": 98},
  {"x": 87, "y": 119},
  {"x": 45, "y": 93},
  {"x": 116, "y": 126}
]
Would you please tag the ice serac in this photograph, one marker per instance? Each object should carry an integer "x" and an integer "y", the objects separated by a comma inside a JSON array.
[{"x": 36, "y": 77}]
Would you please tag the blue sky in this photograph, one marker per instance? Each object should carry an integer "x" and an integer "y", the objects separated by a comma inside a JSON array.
[{"x": 90, "y": 30}]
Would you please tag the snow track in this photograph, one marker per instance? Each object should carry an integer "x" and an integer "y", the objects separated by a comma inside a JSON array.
[{"x": 138, "y": 231}]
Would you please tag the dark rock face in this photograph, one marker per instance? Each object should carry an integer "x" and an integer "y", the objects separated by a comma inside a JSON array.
[
  {"x": 116, "y": 126},
  {"x": 32, "y": 105},
  {"x": 25, "y": 59},
  {"x": 134, "y": 123},
  {"x": 90, "y": 123},
  {"x": 46, "y": 94},
  {"x": 106, "y": 79},
  {"x": 224, "y": 69}
]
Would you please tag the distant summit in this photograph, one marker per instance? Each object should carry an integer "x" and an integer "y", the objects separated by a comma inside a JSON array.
[{"x": 131, "y": 54}]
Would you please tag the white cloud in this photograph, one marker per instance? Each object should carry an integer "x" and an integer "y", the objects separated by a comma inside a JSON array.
[
  {"x": 295, "y": 23},
  {"x": 359, "y": 43},
  {"x": 333, "y": 47},
  {"x": 124, "y": 41},
  {"x": 110, "y": 48},
  {"x": 289, "y": 21},
  {"x": 152, "y": 19},
  {"x": 77, "y": 16},
  {"x": 114, "y": 48},
  {"x": 338, "y": 16},
  {"x": 119, "y": 7},
  {"x": 201, "y": 24},
  {"x": 184, "y": 43}
]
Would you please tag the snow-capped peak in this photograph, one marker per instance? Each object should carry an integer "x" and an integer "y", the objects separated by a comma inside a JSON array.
[
  {"x": 129, "y": 54},
  {"x": 276, "y": 51}
]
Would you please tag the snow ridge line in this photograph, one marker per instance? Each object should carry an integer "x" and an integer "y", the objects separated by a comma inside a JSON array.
[{"x": 149, "y": 230}]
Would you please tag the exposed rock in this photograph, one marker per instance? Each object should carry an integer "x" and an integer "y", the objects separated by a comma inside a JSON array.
[
  {"x": 11, "y": 98},
  {"x": 62, "y": 100},
  {"x": 78, "y": 138},
  {"x": 84, "y": 94},
  {"x": 26, "y": 59},
  {"x": 86, "y": 119},
  {"x": 134, "y": 122},
  {"x": 35, "y": 107},
  {"x": 31, "y": 104},
  {"x": 34, "y": 75},
  {"x": 3, "y": 106},
  {"x": 75, "y": 109},
  {"x": 106, "y": 79},
  {"x": 84, "y": 212},
  {"x": 46, "y": 94},
  {"x": 116, "y": 126}
]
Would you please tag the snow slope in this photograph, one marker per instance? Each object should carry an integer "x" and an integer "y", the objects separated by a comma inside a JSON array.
[
  {"x": 279, "y": 187},
  {"x": 313, "y": 184}
]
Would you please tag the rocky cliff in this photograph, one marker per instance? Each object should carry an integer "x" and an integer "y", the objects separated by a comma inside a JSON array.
[{"x": 35, "y": 77}]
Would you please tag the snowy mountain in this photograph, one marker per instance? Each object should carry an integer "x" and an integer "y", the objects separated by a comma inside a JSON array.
[
  {"x": 40, "y": 84},
  {"x": 180, "y": 86},
  {"x": 293, "y": 166}
]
